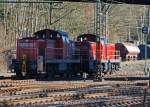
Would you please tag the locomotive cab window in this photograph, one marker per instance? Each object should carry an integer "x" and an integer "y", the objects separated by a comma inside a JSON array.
[
  {"x": 26, "y": 45},
  {"x": 51, "y": 36},
  {"x": 97, "y": 39},
  {"x": 58, "y": 36},
  {"x": 85, "y": 38},
  {"x": 81, "y": 39},
  {"x": 40, "y": 36},
  {"x": 44, "y": 36},
  {"x": 88, "y": 37}
]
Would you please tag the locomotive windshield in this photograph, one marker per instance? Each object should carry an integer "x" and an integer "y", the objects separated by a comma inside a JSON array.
[
  {"x": 50, "y": 34},
  {"x": 26, "y": 45},
  {"x": 88, "y": 37},
  {"x": 47, "y": 34}
]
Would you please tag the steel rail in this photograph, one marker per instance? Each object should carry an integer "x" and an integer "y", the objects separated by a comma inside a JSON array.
[
  {"x": 10, "y": 1},
  {"x": 142, "y": 2}
]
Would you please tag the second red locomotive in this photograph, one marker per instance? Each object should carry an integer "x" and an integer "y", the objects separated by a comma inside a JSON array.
[{"x": 50, "y": 54}]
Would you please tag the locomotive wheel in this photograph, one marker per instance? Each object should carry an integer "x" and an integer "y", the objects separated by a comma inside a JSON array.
[
  {"x": 65, "y": 76},
  {"x": 19, "y": 75},
  {"x": 50, "y": 73},
  {"x": 41, "y": 76},
  {"x": 47, "y": 76},
  {"x": 69, "y": 75}
]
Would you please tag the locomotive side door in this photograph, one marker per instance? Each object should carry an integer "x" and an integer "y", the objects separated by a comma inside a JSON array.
[
  {"x": 40, "y": 64},
  {"x": 41, "y": 55}
]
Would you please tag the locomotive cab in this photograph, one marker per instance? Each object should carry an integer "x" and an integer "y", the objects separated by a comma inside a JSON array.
[
  {"x": 47, "y": 53},
  {"x": 87, "y": 44},
  {"x": 96, "y": 54}
]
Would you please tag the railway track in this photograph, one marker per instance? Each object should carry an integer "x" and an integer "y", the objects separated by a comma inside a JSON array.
[
  {"x": 70, "y": 94},
  {"x": 127, "y": 78},
  {"x": 129, "y": 91},
  {"x": 100, "y": 100},
  {"x": 107, "y": 78}
]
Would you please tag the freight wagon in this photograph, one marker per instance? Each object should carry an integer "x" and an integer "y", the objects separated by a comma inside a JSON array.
[
  {"x": 128, "y": 51},
  {"x": 141, "y": 55}
]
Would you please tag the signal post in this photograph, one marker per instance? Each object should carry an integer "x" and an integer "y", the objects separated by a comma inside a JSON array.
[{"x": 145, "y": 31}]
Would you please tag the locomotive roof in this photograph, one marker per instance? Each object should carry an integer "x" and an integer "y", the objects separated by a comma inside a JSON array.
[
  {"x": 44, "y": 31},
  {"x": 87, "y": 35},
  {"x": 92, "y": 37},
  {"x": 83, "y": 35},
  {"x": 62, "y": 33}
]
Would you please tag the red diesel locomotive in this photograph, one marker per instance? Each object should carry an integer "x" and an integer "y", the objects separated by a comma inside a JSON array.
[
  {"x": 50, "y": 54},
  {"x": 97, "y": 55}
]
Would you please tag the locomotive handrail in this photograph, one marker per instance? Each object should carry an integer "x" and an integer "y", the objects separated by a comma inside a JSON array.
[
  {"x": 115, "y": 54},
  {"x": 54, "y": 48},
  {"x": 54, "y": 53}
]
